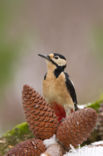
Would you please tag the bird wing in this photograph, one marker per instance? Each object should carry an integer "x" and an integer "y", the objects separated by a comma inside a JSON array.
[
  {"x": 71, "y": 90},
  {"x": 45, "y": 76}
]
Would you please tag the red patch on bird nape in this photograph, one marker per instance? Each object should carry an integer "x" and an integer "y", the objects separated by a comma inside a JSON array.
[{"x": 59, "y": 111}]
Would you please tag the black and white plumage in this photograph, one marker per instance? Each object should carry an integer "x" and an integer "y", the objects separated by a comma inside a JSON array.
[
  {"x": 71, "y": 90},
  {"x": 57, "y": 86}
]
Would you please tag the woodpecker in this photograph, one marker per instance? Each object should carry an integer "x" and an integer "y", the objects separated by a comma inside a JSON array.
[{"x": 58, "y": 89}]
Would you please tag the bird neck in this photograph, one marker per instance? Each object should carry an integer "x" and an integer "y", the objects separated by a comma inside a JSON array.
[
  {"x": 51, "y": 67},
  {"x": 58, "y": 70},
  {"x": 55, "y": 70},
  {"x": 50, "y": 71}
]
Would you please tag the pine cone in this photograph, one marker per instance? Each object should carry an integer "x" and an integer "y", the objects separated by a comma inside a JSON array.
[
  {"x": 100, "y": 122},
  {"x": 39, "y": 115},
  {"x": 77, "y": 127},
  {"x": 31, "y": 147}
]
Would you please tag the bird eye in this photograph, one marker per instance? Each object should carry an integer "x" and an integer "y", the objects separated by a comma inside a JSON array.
[{"x": 56, "y": 57}]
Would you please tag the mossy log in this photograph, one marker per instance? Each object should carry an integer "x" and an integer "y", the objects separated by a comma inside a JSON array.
[
  {"x": 19, "y": 133},
  {"x": 22, "y": 132}
]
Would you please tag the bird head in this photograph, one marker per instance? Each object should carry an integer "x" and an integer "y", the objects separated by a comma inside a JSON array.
[{"x": 55, "y": 61}]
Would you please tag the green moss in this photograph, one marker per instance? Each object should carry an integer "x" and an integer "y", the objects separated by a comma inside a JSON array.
[
  {"x": 18, "y": 130},
  {"x": 96, "y": 105},
  {"x": 19, "y": 133}
]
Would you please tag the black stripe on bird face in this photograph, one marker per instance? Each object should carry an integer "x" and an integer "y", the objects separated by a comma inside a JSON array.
[
  {"x": 60, "y": 56},
  {"x": 53, "y": 56},
  {"x": 57, "y": 59},
  {"x": 53, "y": 62}
]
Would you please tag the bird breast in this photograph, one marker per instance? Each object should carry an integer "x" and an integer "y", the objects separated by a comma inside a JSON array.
[{"x": 55, "y": 90}]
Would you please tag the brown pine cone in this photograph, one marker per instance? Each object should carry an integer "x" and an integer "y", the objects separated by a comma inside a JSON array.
[
  {"x": 31, "y": 147},
  {"x": 39, "y": 115},
  {"x": 99, "y": 127},
  {"x": 77, "y": 127}
]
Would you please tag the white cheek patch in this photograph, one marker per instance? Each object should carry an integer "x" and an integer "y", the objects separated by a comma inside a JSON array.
[{"x": 60, "y": 61}]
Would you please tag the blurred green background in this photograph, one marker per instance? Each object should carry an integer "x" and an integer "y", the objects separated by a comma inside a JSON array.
[{"x": 72, "y": 28}]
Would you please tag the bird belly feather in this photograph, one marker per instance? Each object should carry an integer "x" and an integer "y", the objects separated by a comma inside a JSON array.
[{"x": 54, "y": 90}]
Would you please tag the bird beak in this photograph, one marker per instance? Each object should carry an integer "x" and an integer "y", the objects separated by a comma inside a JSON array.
[{"x": 45, "y": 57}]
